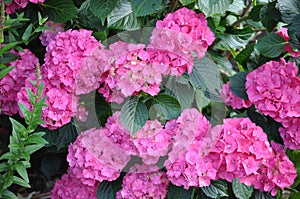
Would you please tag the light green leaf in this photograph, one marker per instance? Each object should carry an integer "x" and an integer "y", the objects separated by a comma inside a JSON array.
[
  {"x": 32, "y": 148},
  {"x": 60, "y": 11},
  {"x": 240, "y": 190},
  {"x": 216, "y": 189},
  {"x": 271, "y": 45},
  {"x": 27, "y": 33},
  {"x": 21, "y": 169},
  {"x": 8, "y": 47},
  {"x": 5, "y": 71},
  {"x": 129, "y": 22},
  {"x": 9, "y": 195},
  {"x": 102, "y": 8},
  {"x": 37, "y": 138},
  {"x": 201, "y": 100},
  {"x": 145, "y": 7},
  {"x": 236, "y": 38},
  {"x": 216, "y": 7},
  {"x": 4, "y": 166},
  {"x": 18, "y": 128},
  {"x": 167, "y": 106},
  {"x": 20, "y": 182},
  {"x": 187, "y": 2},
  {"x": 134, "y": 114}
]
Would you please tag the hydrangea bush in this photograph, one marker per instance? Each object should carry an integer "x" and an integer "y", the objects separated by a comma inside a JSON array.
[{"x": 151, "y": 99}]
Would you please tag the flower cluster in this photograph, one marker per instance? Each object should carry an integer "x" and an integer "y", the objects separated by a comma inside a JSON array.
[
  {"x": 71, "y": 187},
  {"x": 18, "y": 4},
  {"x": 63, "y": 60},
  {"x": 182, "y": 32},
  {"x": 274, "y": 89},
  {"x": 232, "y": 100},
  {"x": 49, "y": 34},
  {"x": 241, "y": 151},
  {"x": 94, "y": 157},
  {"x": 144, "y": 184},
  {"x": 284, "y": 34},
  {"x": 191, "y": 129},
  {"x": 12, "y": 83}
]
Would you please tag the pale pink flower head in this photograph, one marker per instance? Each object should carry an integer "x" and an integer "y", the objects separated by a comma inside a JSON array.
[
  {"x": 94, "y": 157},
  {"x": 232, "y": 100},
  {"x": 146, "y": 185},
  {"x": 284, "y": 34},
  {"x": 13, "y": 82},
  {"x": 49, "y": 35},
  {"x": 182, "y": 32},
  {"x": 70, "y": 187}
]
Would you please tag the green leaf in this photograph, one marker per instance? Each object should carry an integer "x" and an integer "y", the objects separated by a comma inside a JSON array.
[
  {"x": 206, "y": 76},
  {"x": 21, "y": 169},
  {"x": 122, "y": 17},
  {"x": 108, "y": 190},
  {"x": 87, "y": 18},
  {"x": 294, "y": 156},
  {"x": 201, "y": 100},
  {"x": 237, "y": 6},
  {"x": 30, "y": 149},
  {"x": 186, "y": 2},
  {"x": 167, "y": 106},
  {"x": 66, "y": 135},
  {"x": 240, "y": 190},
  {"x": 8, "y": 47},
  {"x": 18, "y": 128},
  {"x": 37, "y": 138},
  {"x": 31, "y": 96},
  {"x": 237, "y": 85},
  {"x": 27, "y": 33},
  {"x": 134, "y": 114},
  {"x": 25, "y": 111},
  {"x": 102, "y": 8},
  {"x": 7, "y": 155},
  {"x": 255, "y": 12},
  {"x": 175, "y": 192},
  {"x": 294, "y": 196},
  {"x": 294, "y": 26},
  {"x": 145, "y": 7},
  {"x": 288, "y": 9},
  {"x": 8, "y": 194},
  {"x": 103, "y": 109},
  {"x": 271, "y": 45},
  {"x": 180, "y": 89},
  {"x": 7, "y": 1},
  {"x": 8, "y": 57},
  {"x": 236, "y": 38},
  {"x": 60, "y": 11},
  {"x": 5, "y": 71},
  {"x": 216, "y": 189},
  {"x": 216, "y": 7},
  {"x": 269, "y": 16},
  {"x": 20, "y": 182},
  {"x": 223, "y": 64},
  {"x": 4, "y": 166},
  {"x": 244, "y": 56}
]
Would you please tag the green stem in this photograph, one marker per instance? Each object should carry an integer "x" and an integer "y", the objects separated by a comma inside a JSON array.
[{"x": 2, "y": 20}]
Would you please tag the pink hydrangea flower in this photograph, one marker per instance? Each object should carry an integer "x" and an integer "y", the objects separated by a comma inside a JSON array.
[
  {"x": 63, "y": 61},
  {"x": 290, "y": 133},
  {"x": 284, "y": 33},
  {"x": 18, "y": 4},
  {"x": 70, "y": 187},
  {"x": 232, "y": 100},
  {"x": 94, "y": 157},
  {"x": 274, "y": 89},
  {"x": 148, "y": 185},
  {"x": 49, "y": 35},
  {"x": 12, "y": 83},
  {"x": 182, "y": 32}
]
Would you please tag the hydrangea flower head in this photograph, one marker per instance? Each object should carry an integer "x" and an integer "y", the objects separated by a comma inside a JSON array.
[
  {"x": 182, "y": 32},
  {"x": 146, "y": 185},
  {"x": 94, "y": 157},
  {"x": 12, "y": 83},
  {"x": 70, "y": 187}
]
